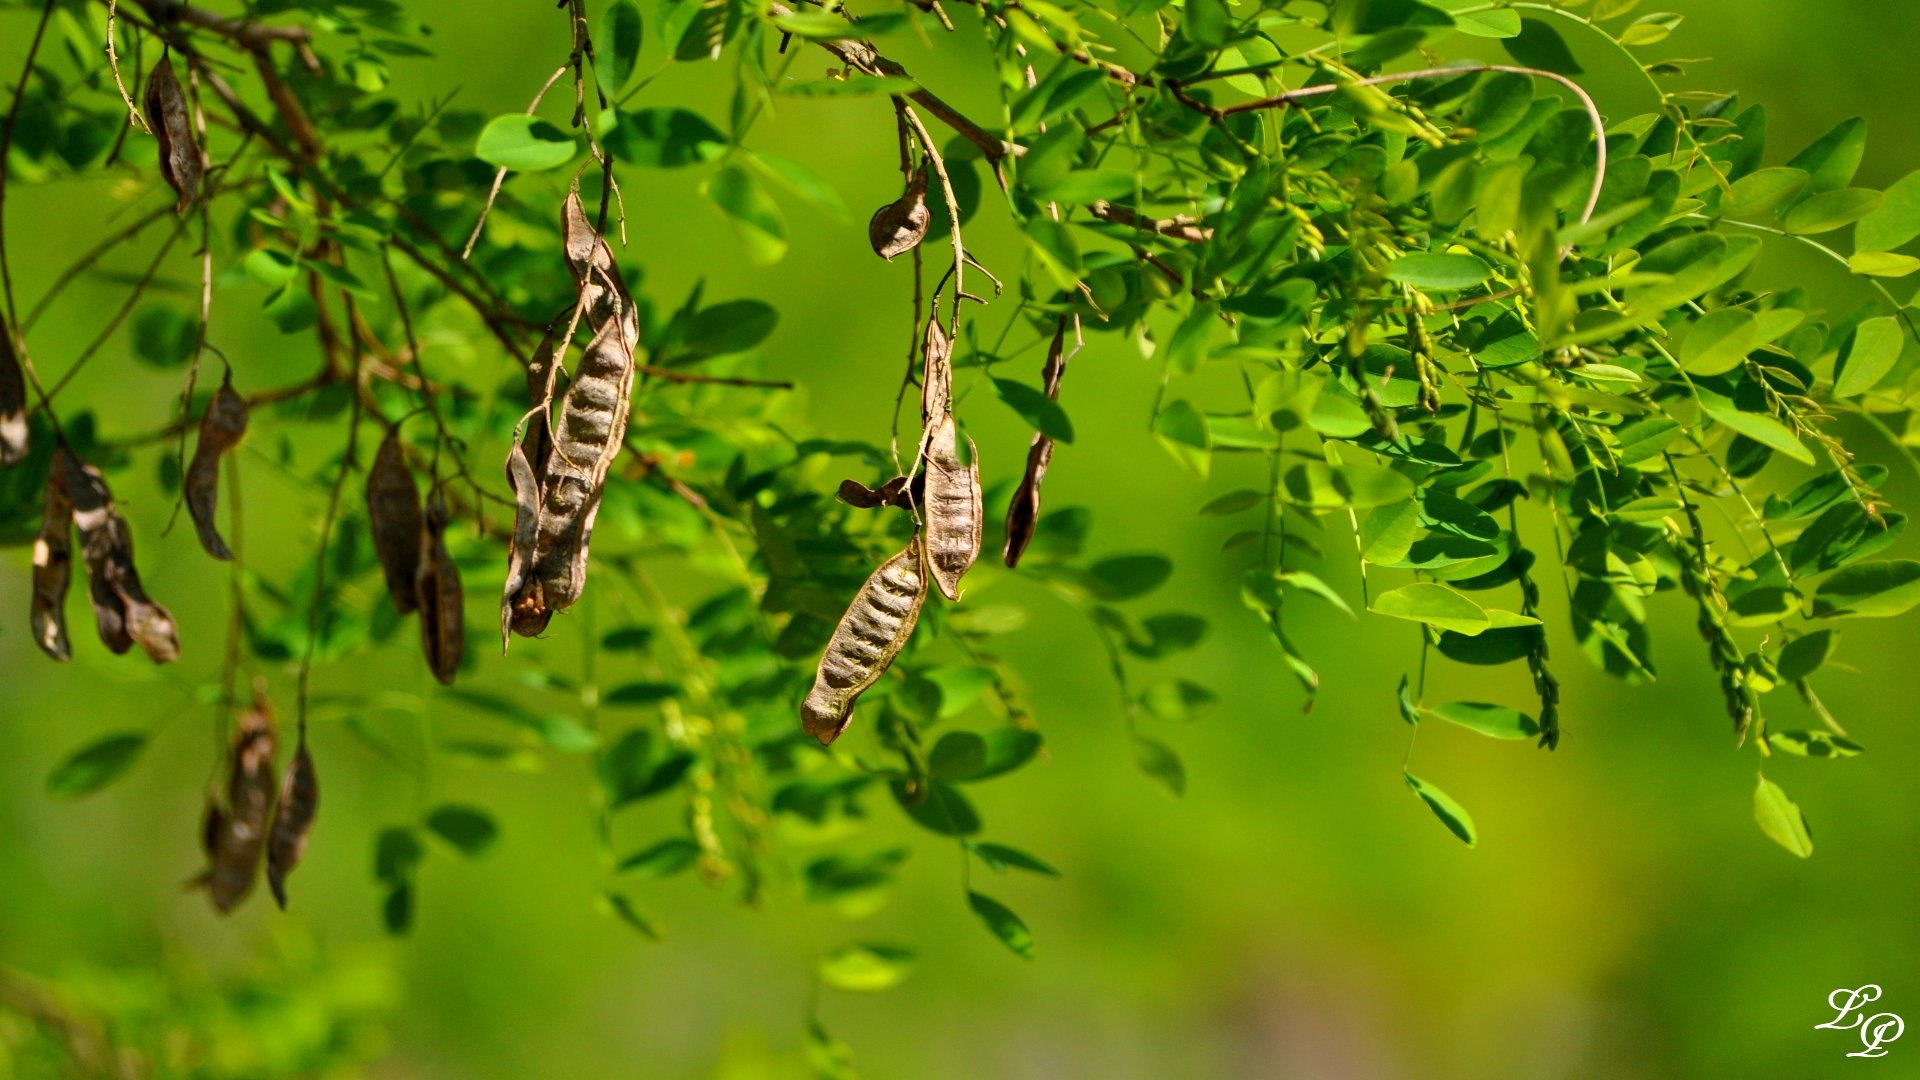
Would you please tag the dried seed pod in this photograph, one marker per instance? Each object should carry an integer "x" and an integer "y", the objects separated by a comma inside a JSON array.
[
  {"x": 442, "y": 608},
  {"x": 523, "y": 608},
  {"x": 899, "y": 226},
  {"x": 936, "y": 375},
  {"x": 293, "y": 817},
  {"x": 588, "y": 433},
  {"x": 13, "y": 404},
  {"x": 121, "y": 608},
  {"x": 393, "y": 507},
  {"x": 53, "y": 567},
  {"x": 1024, "y": 511},
  {"x": 892, "y": 493},
  {"x": 172, "y": 122},
  {"x": 221, "y": 429},
  {"x": 603, "y": 292},
  {"x": 871, "y": 633},
  {"x": 953, "y": 512},
  {"x": 235, "y": 835}
]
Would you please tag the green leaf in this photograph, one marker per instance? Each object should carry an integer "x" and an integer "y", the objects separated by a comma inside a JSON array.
[
  {"x": 865, "y": 968},
  {"x": 1830, "y": 210},
  {"x": 1207, "y": 23},
  {"x": 1177, "y": 700},
  {"x": 1876, "y": 347},
  {"x": 396, "y": 854},
  {"x": 1159, "y": 761},
  {"x": 1814, "y": 744},
  {"x": 1001, "y": 857},
  {"x": 524, "y": 143},
  {"x": 165, "y": 335},
  {"x": 957, "y": 756},
  {"x": 1884, "y": 264},
  {"x": 468, "y": 828},
  {"x": 1124, "y": 577},
  {"x": 1434, "y": 604},
  {"x": 1761, "y": 429},
  {"x": 95, "y": 765},
  {"x": 1498, "y": 23},
  {"x": 1720, "y": 341},
  {"x": 1805, "y": 654},
  {"x": 1895, "y": 222},
  {"x": 1497, "y": 721},
  {"x": 1869, "y": 590},
  {"x": 1541, "y": 46},
  {"x": 664, "y": 859},
  {"x": 1834, "y": 157},
  {"x": 756, "y": 218},
  {"x": 1004, "y": 924},
  {"x": 1182, "y": 430},
  {"x": 1649, "y": 29},
  {"x": 724, "y": 329},
  {"x": 623, "y": 909},
  {"x": 291, "y": 309},
  {"x": 1042, "y": 412},
  {"x": 664, "y": 138},
  {"x": 1758, "y": 192},
  {"x": 1451, "y": 814},
  {"x": 1438, "y": 270},
  {"x": 1053, "y": 243},
  {"x": 616, "y": 48},
  {"x": 1409, "y": 711},
  {"x": 1780, "y": 819}
]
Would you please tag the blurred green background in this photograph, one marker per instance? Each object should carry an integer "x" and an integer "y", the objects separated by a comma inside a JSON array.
[{"x": 1297, "y": 914}]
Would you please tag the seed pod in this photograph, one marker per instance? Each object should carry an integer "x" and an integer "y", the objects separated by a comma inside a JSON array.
[
  {"x": 523, "y": 608},
  {"x": 293, "y": 817},
  {"x": 588, "y": 433},
  {"x": 899, "y": 226},
  {"x": 953, "y": 511},
  {"x": 167, "y": 114},
  {"x": 235, "y": 835},
  {"x": 936, "y": 375},
  {"x": 1024, "y": 512},
  {"x": 869, "y": 636},
  {"x": 220, "y": 431},
  {"x": 603, "y": 292},
  {"x": 13, "y": 404},
  {"x": 442, "y": 608},
  {"x": 120, "y": 605},
  {"x": 53, "y": 567},
  {"x": 393, "y": 507},
  {"x": 856, "y": 494}
]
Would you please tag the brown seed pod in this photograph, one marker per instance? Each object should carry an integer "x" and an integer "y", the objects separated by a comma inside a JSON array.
[
  {"x": 167, "y": 114},
  {"x": 13, "y": 404},
  {"x": 587, "y": 435},
  {"x": 899, "y": 226},
  {"x": 1023, "y": 514},
  {"x": 235, "y": 835},
  {"x": 53, "y": 568},
  {"x": 523, "y": 608},
  {"x": 442, "y": 608},
  {"x": 393, "y": 507},
  {"x": 221, "y": 429},
  {"x": 892, "y": 493},
  {"x": 953, "y": 512},
  {"x": 871, "y": 633},
  {"x": 293, "y": 818},
  {"x": 603, "y": 292},
  {"x": 120, "y": 605},
  {"x": 936, "y": 375}
]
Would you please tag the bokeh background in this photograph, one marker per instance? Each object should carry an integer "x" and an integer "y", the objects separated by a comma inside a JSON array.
[{"x": 1297, "y": 914}]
